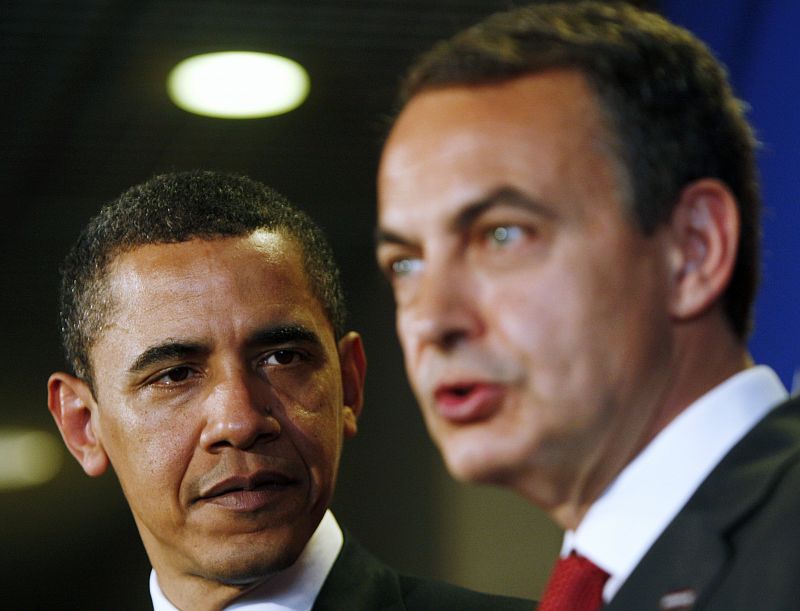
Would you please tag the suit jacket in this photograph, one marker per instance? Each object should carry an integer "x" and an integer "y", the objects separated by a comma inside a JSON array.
[
  {"x": 736, "y": 543},
  {"x": 360, "y": 582}
]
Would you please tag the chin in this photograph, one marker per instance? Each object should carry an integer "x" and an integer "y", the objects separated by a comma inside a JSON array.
[
  {"x": 470, "y": 464},
  {"x": 481, "y": 459},
  {"x": 245, "y": 568}
]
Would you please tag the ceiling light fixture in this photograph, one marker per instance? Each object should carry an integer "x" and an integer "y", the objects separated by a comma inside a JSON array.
[
  {"x": 28, "y": 458},
  {"x": 238, "y": 85}
]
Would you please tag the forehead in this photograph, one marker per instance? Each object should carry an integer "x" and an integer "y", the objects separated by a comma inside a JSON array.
[
  {"x": 193, "y": 286},
  {"x": 454, "y": 144},
  {"x": 239, "y": 257}
]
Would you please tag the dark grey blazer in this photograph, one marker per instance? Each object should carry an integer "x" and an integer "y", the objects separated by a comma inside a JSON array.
[
  {"x": 736, "y": 544},
  {"x": 360, "y": 582}
]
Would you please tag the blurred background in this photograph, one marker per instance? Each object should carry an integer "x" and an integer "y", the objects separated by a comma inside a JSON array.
[{"x": 87, "y": 115}]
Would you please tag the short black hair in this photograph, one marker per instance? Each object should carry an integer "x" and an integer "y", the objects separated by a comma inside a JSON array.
[
  {"x": 173, "y": 208},
  {"x": 670, "y": 110}
]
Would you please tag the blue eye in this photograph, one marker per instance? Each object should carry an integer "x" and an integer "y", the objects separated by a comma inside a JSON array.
[
  {"x": 504, "y": 234},
  {"x": 404, "y": 267}
]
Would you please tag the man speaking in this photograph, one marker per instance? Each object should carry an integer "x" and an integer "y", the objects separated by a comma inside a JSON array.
[{"x": 569, "y": 219}]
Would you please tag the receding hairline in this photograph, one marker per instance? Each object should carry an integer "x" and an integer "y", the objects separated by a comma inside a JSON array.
[{"x": 602, "y": 132}]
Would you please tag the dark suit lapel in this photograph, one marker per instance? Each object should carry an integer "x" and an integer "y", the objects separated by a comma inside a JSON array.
[
  {"x": 679, "y": 568},
  {"x": 359, "y": 581},
  {"x": 691, "y": 556}
]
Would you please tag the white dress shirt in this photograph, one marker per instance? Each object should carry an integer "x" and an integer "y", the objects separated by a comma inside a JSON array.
[
  {"x": 636, "y": 508},
  {"x": 293, "y": 589}
]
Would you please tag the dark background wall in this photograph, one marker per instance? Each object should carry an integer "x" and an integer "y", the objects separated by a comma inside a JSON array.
[{"x": 85, "y": 115}]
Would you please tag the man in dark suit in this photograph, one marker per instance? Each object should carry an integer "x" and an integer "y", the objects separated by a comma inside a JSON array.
[
  {"x": 569, "y": 220},
  {"x": 204, "y": 320}
]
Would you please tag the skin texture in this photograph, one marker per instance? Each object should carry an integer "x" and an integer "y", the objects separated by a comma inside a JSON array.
[
  {"x": 546, "y": 338},
  {"x": 222, "y": 402}
]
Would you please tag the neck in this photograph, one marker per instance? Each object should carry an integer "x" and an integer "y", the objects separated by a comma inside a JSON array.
[{"x": 567, "y": 492}]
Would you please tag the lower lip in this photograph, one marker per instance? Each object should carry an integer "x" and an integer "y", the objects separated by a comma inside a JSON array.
[
  {"x": 249, "y": 500},
  {"x": 481, "y": 402}
]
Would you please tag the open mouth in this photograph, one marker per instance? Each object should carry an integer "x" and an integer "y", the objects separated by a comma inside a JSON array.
[
  {"x": 455, "y": 392},
  {"x": 465, "y": 402},
  {"x": 461, "y": 391}
]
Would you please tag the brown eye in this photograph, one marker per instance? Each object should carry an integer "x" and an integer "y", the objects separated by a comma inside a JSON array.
[
  {"x": 282, "y": 357},
  {"x": 175, "y": 376}
]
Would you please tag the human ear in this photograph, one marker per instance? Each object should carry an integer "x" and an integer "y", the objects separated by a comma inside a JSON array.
[
  {"x": 72, "y": 405},
  {"x": 353, "y": 363},
  {"x": 704, "y": 232}
]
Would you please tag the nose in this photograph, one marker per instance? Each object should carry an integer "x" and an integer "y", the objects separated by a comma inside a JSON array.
[
  {"x": 443, "y": 310},
  {"x": 239, "y": 415}
]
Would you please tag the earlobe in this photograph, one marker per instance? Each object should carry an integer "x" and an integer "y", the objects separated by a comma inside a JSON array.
[
  {"x": 72, "y": 405},
  {"x": 704, "y": 233},
  {"x": 353, "y": 364}
]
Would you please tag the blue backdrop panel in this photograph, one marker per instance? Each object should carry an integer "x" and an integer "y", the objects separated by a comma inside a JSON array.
[{"x": 758, "y": 41}]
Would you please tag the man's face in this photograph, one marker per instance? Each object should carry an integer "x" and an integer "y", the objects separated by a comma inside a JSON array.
[
  {"x": 532, "y": 313},
  {"x": 220, "y": 404}
]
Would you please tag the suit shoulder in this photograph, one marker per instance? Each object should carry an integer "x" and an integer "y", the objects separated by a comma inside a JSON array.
[
  {"x": 424, "y": 594},
  {"x": 360, "y": 582}
]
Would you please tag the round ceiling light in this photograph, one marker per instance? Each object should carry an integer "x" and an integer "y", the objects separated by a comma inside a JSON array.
[
  {"x": 28, "y": 457},
  {"x": 238, "y": 85}
]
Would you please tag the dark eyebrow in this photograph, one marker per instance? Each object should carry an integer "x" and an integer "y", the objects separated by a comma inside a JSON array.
[
  {"x": 384, "y": 236},
  {"x": 173, "y": 350},
  {"x": 283, "y": 334},
  {"x": 168, "y": 351},
  {"x": 501, "y": 196}
]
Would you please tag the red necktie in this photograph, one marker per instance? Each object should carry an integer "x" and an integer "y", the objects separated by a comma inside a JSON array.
[{"x": 575, "y": 585}]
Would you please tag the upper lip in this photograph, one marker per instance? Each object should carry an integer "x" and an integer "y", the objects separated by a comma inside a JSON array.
[{"x": 246, "y": 482}]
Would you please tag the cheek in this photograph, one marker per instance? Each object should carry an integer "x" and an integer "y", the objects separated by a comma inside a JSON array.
[
  {"x": 314, "y": 422},
  {"x": 402, "y": 327},
  {"x": 316, "y": 436},
  {"x": 410, "y": 345},
  {"x": 537, "y": 315},
  {"x": 151, "y": 446},
  {"x": 553, "y": 329}
]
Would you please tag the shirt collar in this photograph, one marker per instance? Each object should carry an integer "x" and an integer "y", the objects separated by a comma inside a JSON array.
[
  {"x": 635, "y": 509},
  {"x": 293, "y": 589}
]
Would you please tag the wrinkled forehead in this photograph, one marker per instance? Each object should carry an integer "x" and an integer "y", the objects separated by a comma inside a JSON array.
[
  {"x": 454, "y": 136},
  {"x": 456, "y": 144}
]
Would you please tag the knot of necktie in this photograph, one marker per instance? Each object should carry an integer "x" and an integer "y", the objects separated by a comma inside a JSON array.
[{"x": 575, "y": 585}]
